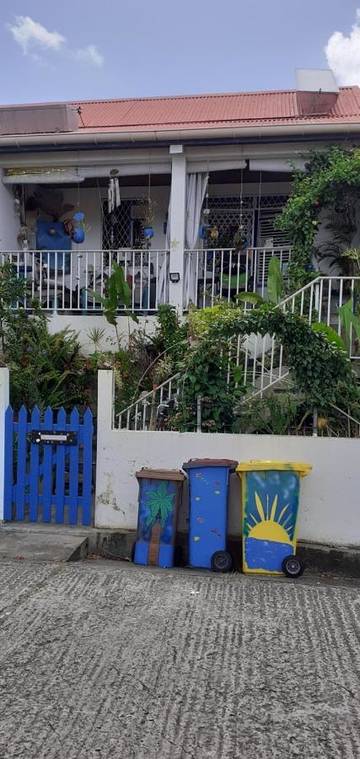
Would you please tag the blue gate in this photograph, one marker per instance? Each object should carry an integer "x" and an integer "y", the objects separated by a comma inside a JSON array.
[{"x": 48, "y": 466}]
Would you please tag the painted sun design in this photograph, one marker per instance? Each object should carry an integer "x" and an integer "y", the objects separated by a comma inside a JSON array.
[{"x": 270, "y": 522}]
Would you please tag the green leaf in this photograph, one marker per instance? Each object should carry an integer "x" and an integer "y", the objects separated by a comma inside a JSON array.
[
  {"x": 275, "y": 283},
  {"x": 349, "y": 320},
  {"x": 110, "y": 316},
  {"x": 254, "y": 298},
  {"x": 328, "y": 332},
  {"x": 97, "y": 297}
]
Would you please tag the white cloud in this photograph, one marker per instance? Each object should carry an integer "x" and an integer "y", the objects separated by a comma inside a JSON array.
[
  {"x": 34, "y": 37},
  {"x": 27, "y": 32},
  {"x": 90, "y": 54},
  {"x": 343, "y": 54}
]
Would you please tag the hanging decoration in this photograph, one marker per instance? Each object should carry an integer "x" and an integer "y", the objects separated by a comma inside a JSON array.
[
  {"x": 78, "y": 231},
  {"x": 149, "y": 213},
  {"x": 114, "y": 198},
  {"x": 240, "y": 236}
]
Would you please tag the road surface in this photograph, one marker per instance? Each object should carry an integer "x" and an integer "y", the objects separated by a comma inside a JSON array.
[{"x": 103, "y": 660}]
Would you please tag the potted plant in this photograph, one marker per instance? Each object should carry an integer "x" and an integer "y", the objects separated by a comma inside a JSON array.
[{"x": 149, "y": 218}]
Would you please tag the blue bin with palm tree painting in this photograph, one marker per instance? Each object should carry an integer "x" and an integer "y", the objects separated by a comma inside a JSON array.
[
  {"x": 270, "y": 505},
  {"x": 160, "y": 493},
  {"x": 208, "y": 512}
]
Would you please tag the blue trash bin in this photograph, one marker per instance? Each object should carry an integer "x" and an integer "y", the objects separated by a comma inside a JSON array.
[{"x": 208, "y": 507}]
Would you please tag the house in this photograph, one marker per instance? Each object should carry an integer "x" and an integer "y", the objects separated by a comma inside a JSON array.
[{"x": 182, "y": 192}]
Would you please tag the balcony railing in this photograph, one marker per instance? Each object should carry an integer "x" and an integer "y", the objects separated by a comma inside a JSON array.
[
  {"x": 74, "y": 280},
  {"x": 322, "y": 300},
  {"x": 70, "y": 280},
  {"x": 222, "y": 273}
]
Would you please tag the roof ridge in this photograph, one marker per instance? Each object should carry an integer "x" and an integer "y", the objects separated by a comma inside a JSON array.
[
  {"x": 193, "y": 96},
  {"x": 196, "y": 96},
  {"x": 157, "y": 98}
]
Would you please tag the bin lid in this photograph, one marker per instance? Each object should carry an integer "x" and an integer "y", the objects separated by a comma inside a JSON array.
[
  {"x": 160, "y": 474},
  {"x": 255, "y": 465},
  {"x": 200, "y": 463}
]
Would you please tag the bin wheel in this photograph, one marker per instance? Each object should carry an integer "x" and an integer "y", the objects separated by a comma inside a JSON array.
[
  {"x": 133, "y": 547},
  {"x": 292, "y": 566},
  {"x": 221, "y": 561}
]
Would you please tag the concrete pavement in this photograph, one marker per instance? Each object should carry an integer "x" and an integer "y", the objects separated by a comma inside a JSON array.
[{"x": 102, "y": 659}]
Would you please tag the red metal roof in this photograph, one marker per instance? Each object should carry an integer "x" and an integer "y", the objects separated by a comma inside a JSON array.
[{"x": 206, "y": 111}]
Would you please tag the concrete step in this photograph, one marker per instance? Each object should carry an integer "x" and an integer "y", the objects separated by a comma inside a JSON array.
[
  {"x": 43, "y": 542},
  {"x": 53, "y": 542}
]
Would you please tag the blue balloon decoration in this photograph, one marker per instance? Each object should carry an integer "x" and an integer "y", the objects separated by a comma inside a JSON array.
[
  {"x": 79, "y": 216},
  {"x": 78, "y": 235}
]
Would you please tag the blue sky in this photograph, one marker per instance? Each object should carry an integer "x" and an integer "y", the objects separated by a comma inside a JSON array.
[{"x": 122, "y": 48}]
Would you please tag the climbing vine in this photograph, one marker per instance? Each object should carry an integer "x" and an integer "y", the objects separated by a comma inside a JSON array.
[
  {"x": 320, "y": 368},
  {"x": 328, "y": 175}
]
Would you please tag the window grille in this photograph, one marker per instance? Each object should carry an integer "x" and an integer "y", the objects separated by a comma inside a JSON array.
[
  {"x": 267, "y": 233},
  {"x": 225, "y": 216},
  {"x": 119, "y": 229},
  {"x": 258, "y": 219}
]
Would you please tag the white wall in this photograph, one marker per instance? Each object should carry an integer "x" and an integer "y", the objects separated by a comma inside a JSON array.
[
  {"x": 82, "y": 324},
  {"x": 90, "y": 202},
  {"x": 329, "y": 511},
  {"x": 4, "y": 402},
  {"x": 9, "y": 219}
]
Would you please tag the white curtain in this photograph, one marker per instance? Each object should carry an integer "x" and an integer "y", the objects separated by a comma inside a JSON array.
[
  {"x": 195, "y": 193},
  {"x": 168, "y": 233},
  {"x": 163, "y": 284}
]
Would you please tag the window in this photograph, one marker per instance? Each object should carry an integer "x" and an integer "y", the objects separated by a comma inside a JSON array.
[{"x": 119, "y": 229}]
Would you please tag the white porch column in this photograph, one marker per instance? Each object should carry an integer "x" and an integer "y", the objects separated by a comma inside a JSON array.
[
  {"x": 4, "y": 402},
  {"x": 105, "y": 399},
  {"x": 9, "y": 218},
  {"x": 177, "y": 224}
]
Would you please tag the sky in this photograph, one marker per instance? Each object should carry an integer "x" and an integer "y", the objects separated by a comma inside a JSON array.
[{"x": 82, "y": 49}]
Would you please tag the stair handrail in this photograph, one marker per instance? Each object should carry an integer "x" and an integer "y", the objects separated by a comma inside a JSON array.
[{"x": 143, "y": 398}]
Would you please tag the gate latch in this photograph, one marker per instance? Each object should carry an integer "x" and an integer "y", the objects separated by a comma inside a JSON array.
[{"x": 53, "y": 438}]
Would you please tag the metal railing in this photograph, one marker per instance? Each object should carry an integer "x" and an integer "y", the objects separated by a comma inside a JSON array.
[
  {"x": 150, "y": 410},
  {"x": 320, "y": 301},
  {"x": 261, "y": 357},
  {"x": 222, "y": 273},
  {"x": 75, "y": 280}
]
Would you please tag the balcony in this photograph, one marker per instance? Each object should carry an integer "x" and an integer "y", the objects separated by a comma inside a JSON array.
[
  {"x": 71, "y": 281},
  {"x": 223, "y": 273}
]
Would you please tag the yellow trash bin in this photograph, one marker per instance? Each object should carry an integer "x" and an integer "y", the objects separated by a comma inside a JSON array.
[{"x": 270, "y": 503}]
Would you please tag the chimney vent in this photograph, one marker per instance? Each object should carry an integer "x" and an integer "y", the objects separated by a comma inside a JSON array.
[
  {"x": 38, "y": 119},
  {"x": 317, "y": 91}
]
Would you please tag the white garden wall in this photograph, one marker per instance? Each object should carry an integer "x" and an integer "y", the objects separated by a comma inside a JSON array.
[
  {"x": 330, "y": 508},
  {"x": 83, "y": 324}
]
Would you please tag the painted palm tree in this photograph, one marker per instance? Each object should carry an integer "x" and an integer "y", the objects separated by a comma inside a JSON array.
[
  {"x": 160, "y": 504},
  {"x": 160, "y": 507}
]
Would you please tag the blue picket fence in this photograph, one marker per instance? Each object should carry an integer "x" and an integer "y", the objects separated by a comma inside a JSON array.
[{"x": 48, "y": 481}]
